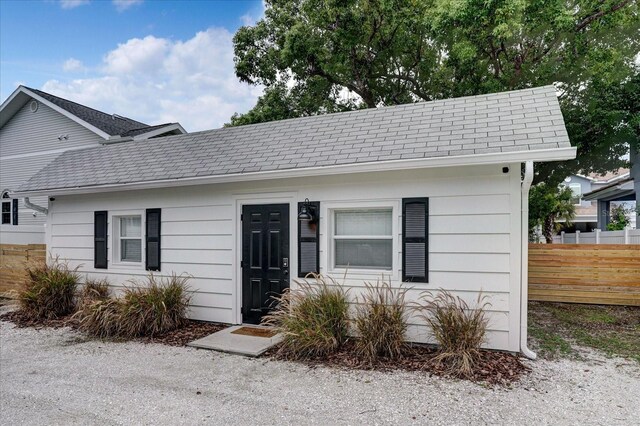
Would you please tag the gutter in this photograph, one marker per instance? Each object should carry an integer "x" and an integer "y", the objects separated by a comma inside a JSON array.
[
  {"x": 35, "y": 207},
  {"x": 524, "y": 261},
  {"x": 554, "y": 154}
]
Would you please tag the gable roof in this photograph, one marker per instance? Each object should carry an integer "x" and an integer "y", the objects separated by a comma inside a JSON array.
[
  {"x": 107, "y": 126},
  {"x": 496, "y": 128}
]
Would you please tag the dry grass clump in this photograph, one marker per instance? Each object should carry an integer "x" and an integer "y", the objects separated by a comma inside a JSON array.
[
  {"x": 93, "y": 290},
  {"x": 145, "y": 309},
  {"x": 312, "y": 318},
  {"x": 381, "y": 321},
  {"x": 458, "y": 328},
  {"x": 49, "y": 291}
]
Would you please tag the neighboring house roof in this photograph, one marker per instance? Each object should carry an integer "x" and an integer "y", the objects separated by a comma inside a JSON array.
[
  {"x": 606, "y": 177},
  {"x": 618, "y": 189},
  {"x": 498, "y": 128},
  {"x": 108, "y": 126}
]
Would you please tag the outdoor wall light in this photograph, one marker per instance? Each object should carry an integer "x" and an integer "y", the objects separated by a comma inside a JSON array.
[{"x": 307, "y": 212}]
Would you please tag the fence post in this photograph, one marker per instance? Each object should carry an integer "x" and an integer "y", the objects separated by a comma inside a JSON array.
[
  {"x": 626, "y": 235},
  {"x": 577, "y": 237},
  {"x": 562, "y": 237},
  {"x": 597, "y": 231}
]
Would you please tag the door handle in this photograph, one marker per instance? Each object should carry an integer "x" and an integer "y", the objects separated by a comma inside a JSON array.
[{"x": 285, "y": 272}]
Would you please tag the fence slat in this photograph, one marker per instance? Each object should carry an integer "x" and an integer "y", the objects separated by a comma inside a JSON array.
[
  {"x": 585, "y": 273},
  {"x": 13, "y": 259}
]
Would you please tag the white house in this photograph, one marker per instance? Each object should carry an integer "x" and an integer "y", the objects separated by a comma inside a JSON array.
[
  {"x": 36, "y": 127},
  {"x": 429, "y": 195}
]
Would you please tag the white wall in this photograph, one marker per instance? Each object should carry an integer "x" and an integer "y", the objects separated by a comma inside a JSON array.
[
  {"x": 28, "y": 142},
  {"x": 474, "y": 239}
]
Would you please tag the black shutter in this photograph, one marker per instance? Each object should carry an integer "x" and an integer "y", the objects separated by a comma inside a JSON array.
[
  {"x": 153, "y": 240},
  {"x": 14, "y": 210},
  {"x": 309, "y": 242},
  {"x": 415, "y": 240},
  {"x": 100, "y": 240}
]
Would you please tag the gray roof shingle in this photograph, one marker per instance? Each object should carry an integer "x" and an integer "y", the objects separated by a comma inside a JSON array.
[
  {"x": 523, "y": 120},
  {"x": 111, "y": 124}
]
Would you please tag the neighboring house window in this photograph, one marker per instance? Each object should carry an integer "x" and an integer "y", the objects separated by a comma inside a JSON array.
[
  {"x": 9, "y": 210},
  {"x": 128, "y": 238},
  {"x": 363, "y": 239},
  {"x": 576, "y": 190}
]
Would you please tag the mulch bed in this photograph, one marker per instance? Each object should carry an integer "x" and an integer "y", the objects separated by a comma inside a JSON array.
[
  {"x": 193, "y": 330},
  {"x": 20, "y": 320},
  {"x": 495, "y": 368}
]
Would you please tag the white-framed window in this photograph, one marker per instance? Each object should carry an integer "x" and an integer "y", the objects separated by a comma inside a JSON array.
[
  {"x": 576, "y": 190},
  {"x": 127, "y": 244},
  {"x": 362, "y": 239},
  {"x": 6, "y": 209}
]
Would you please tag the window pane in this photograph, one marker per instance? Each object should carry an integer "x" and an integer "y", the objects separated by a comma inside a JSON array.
[
  {"x": 6, "y": 207},
  {"x": 6, "y": 218},
  {"x": 369, "y": 254},
  {"x": 130, "y": 226},
  {"x": 576, "y": 190},
  {"x": 131, "y": 250},
  {"x": 363, "y": 222}
]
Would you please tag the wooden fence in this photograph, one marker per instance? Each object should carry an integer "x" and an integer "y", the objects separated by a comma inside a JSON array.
[
  {"x": 13, "y": 258},
  {"x": 585, "y": 273}
]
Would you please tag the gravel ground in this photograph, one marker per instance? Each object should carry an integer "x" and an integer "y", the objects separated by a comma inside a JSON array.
[{"x": 58, "y": 377}]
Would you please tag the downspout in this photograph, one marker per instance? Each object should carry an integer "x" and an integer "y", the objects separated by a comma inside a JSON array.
[
  {"x": 524, "y": 261},
  {"x": 35, "y": 207}
]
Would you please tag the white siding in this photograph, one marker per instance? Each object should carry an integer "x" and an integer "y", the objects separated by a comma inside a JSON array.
[
  {"x": 28, "y": 142},
  {"x": 474, "y": 242}
]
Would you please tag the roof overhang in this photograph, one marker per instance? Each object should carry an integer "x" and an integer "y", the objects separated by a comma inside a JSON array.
[
  {"x": 611, "y": 192},
  {"x": 544, "y": 155},
  {"x": 171, "y": 129},
  {"x": 22, "y": 95}
]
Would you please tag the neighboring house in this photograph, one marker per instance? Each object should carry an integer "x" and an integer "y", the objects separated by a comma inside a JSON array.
[
  {"x": 586, "y": 219},
  {"x": 35, "y": 128},
  {"x": 426, "y": 195},
  {"x": 625, "y": 190}
]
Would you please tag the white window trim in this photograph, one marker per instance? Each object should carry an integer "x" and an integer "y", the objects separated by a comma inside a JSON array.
[
  {"x": 569, "y": 185},
  {"x": 328, "y": 209},
  {"x": 114, "y": 239},
  {"x": 10, "y": 202}
]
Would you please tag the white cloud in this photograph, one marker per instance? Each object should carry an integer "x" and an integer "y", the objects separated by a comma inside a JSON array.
[
  {"x": 250, "y": 18},
  {"x": 122, "y": 5},
  {"x": 72, "y": 4},
  {"x": 158, "y": 80},
  {"x": 73, "y": 65}
]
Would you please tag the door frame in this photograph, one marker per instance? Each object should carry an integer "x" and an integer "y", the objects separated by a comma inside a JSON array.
[{"x": 240, "y": 200}]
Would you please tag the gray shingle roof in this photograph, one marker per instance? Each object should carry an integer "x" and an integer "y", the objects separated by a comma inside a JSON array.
[
  {"x": 111, "y": 124},
  {"x": 523, "y": 120}
]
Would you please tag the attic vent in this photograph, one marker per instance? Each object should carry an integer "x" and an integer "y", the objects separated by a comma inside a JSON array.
[{"x": 33, "y": 106}]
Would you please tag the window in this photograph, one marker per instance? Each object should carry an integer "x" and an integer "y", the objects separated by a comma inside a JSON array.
[
  {"x": 363, "y": 239},
  {"x": 128, "y": 242},
  {"x": 9, "y": 210},
  {"x": 576, "y": 190}
]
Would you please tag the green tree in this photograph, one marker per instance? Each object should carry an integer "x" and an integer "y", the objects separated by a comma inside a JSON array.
[
  {"x": 619, "y": 218},
  {"x": 547, "y": 205},
  {"x": 319, "y": 56}
]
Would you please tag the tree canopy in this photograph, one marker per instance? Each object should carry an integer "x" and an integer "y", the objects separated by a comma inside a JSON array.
[{"x": 320, "y": 56}]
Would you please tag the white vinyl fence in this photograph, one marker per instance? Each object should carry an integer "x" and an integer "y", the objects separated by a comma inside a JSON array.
[{"x": 628, "y": 236}]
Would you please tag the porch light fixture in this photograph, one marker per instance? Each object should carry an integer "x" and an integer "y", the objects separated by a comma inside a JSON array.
[{"x": 307, "y": 212}]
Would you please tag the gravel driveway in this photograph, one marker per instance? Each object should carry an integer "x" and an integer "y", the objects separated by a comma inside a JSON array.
[{"x": 58, "y": 377}]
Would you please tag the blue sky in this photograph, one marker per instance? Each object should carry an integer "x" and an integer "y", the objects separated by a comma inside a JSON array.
[{"x": 152, "y": 60}]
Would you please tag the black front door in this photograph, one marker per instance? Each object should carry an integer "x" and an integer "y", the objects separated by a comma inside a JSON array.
[{"x": 265, "y": 258}]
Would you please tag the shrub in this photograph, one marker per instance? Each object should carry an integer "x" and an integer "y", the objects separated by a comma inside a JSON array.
[
  {"x": 313, "y": 318},
  {"x": 146, "y": 309},
  {"x": 380, "y": 320},
  {"x": 458, "y": 328},
  {"x": 49, "y": 291}
]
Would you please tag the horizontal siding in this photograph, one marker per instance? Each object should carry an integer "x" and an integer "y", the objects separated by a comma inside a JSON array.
[
  {"x": 28, "y": 132},
  {"x": 470, "y": 242}
]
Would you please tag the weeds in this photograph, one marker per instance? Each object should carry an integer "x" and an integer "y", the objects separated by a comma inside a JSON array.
[
  {"x": 49, "y": 291},
  {"x": 380, "y": 320},
  {"x": 458, "y": 328},
  {"x": 313, "y": 318}
]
